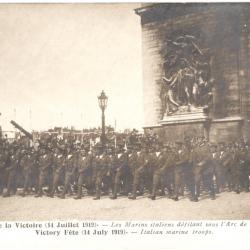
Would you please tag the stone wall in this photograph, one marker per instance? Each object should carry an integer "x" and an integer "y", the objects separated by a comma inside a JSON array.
[{"x": 180, "y": 131}]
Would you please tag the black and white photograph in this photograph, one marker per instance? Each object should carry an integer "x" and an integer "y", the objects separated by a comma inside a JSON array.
[{"x": 124, "y": 111}]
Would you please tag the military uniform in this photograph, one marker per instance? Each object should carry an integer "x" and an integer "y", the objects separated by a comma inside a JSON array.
[
  {"x": 208, "y": 172},
  {"x": 102, "y": 168},
  {"x": 121, "y": 172},
  {"x": 12, "y": 166},
  {"x": 159, "y": 172},
  {"x": 203, "y": 168},
  {"x": 27, "y": 163},
  {"x": 242, "y": 173},
  {"x": 71, "y": 161},
  {"x": 140, "y": 172},
  {"x": 246, "y": 172},
  {"x": 3, "y": 161},
  {"x": 58, "y": 164},
  {"x": 182, "y": 159},
  {"x": 188, "y": 173},
  {"x": 115, "y": 173},
  {"x": 84, "y": 163},
  {"x": 152, "y": 166},
  {"x": 219, "y": 158},
  {"x": 235, "y": 169},
  {"x": 225, "y": 161},
  {"x": 44, "y": 162},
  {"x": 132, "y": 165}
]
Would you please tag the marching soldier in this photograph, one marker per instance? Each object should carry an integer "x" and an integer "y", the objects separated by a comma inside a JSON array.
[
  {"x": 159, "y": 171},
  {"x": 3, "y": 162},
  {"x": 140, "y": 172},
  {"x": 208, "y": 171},
  {"x": 182, "y": 159},
  {"x": 84, "y": 163},
  {"x": 188, "y": 173},
  {"x": 203, "y": 165},
  {"x": 120, "y": 164},
  {"x": 152, "y": 166},
  {"x": 12, "y": 166},
  {"x": 58, "y": 164},
  {"x": 246, "y": 172},
  {"x": 242, "y": 175},
  {"x": 115, "y": 172},
  {"x": 226, "y": 159},
  {"x": 219, "y": 169},
  {"x": 71, "y": 163},
  {"x": 237, "y": 159},
  {"x": 102, "y": 167},
  {"x": 132, "y": 165},
  {"x": 44, "y": 162},
  {"x": 27, "y": 164}
]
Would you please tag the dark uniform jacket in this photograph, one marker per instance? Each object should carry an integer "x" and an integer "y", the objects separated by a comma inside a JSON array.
[
  {"x": 45, "y": 161},
  {"x": 132, "y": 162},
  {"x": 58, "y": 163},
  {"x": 84, "y": 163}
]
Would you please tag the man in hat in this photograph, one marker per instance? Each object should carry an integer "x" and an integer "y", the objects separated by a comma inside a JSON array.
[
  {"x": 45, "y": 161},
  {"x": 71, "y": 164},
  {"x": 3, "y": 162},
  {"x": 58, "y": 164},
  {"x": 120, "y": 166},
  {"x": 203, "y": 167},
  {"x": 12, "y": 166},
  {"x": 240, "y": 172},
  {"x": 237, "y": 157},
  {"x": 182, "y": 159},
  {"x": 26, "y": 163},
  {"x": 102, "y": 167},
  {"x": 114, "y": 172},
  {"x": 140, "y": 172},
  {"x": 84, "y": 163},
  {"x": 153, "y": 154},
  {"x": 223, "y": 167},
  {"x": 161, "y": 164},
  {"x": 246, "y": 170},
  {"x": 132, "y": 166}
]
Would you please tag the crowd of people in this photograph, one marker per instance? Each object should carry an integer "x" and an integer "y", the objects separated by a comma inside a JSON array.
[{"x": 134, "y": 165}]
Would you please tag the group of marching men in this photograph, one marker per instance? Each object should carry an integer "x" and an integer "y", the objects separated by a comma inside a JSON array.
[{"x": 188, "y": 167}]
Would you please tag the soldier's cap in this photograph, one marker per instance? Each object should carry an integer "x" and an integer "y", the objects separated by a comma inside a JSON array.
[{"x": 213, "y": 145}]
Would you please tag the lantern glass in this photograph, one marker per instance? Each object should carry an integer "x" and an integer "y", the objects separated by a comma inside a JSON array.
[{"x": 103, "y": 100}]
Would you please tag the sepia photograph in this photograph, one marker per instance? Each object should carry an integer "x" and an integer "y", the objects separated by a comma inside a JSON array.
[{"x": 124, "y": 111}]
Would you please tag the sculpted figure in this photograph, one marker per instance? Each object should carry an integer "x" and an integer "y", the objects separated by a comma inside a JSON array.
[{"x": 186, "y": 80}]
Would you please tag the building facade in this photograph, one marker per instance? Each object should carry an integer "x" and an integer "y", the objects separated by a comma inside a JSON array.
[{"x": 210, "y": 42}]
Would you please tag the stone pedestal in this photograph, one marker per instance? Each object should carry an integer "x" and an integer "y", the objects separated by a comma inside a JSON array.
[
  {"x": 178, "y": 127},
  {"x": 183, "y": 124},
  {"x": 193, "y": 116}
]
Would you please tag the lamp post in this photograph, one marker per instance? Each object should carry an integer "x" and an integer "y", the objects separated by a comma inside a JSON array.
[{"x": 103, "y": 99}]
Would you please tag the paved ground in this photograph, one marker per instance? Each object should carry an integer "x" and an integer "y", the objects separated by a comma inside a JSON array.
[{"x": 226, "y": 206}]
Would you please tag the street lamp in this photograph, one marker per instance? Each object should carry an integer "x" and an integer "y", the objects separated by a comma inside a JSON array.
[{"x": 103, "y": 99}]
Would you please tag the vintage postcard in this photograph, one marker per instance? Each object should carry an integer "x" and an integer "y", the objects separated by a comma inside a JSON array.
[{"x": 125, "y": 121}]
